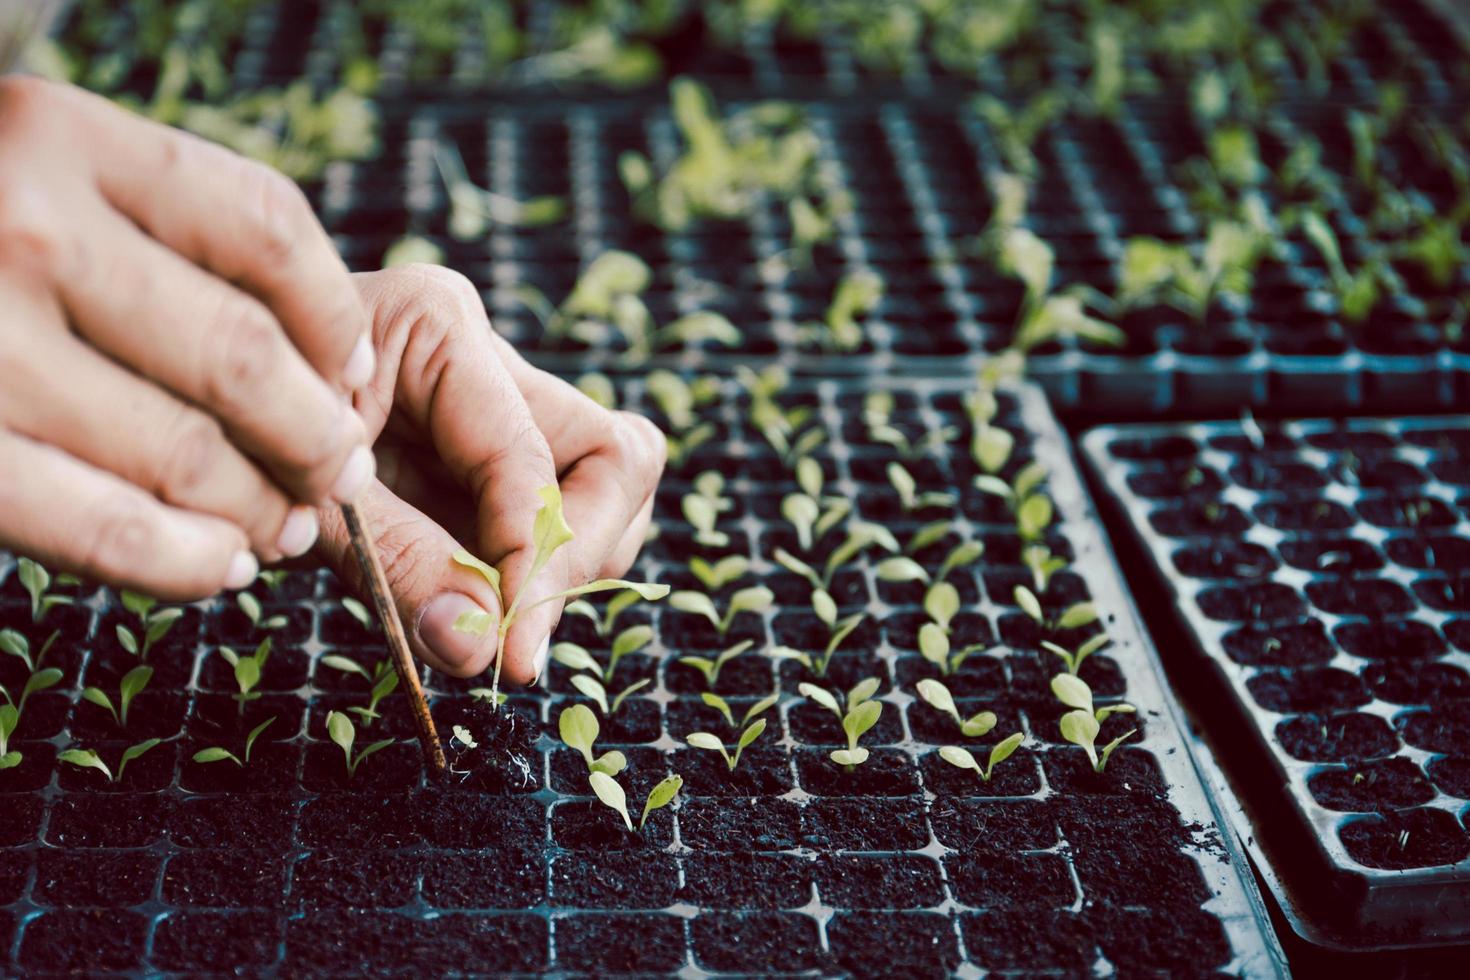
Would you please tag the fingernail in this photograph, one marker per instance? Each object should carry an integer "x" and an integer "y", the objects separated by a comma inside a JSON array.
[
  {"x": 359, "y": 369},
  {"x": 454, "y": 648},
  {"x": 542, "y": 652},
  {"x": 299, "y": 532},
  {"x": 356, "y": 473},
  {"x": 242, "y": 571}
]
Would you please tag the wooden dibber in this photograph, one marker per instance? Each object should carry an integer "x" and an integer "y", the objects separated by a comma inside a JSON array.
[{"x": 408, "y": 675}]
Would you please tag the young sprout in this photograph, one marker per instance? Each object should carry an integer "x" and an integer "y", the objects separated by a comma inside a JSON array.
[
  {"x": 88, "y": 759},
  {"x": 861, "y": 714},
  {"x": 16, "y": 644},
  {"x": 1081, "y": 725},
  {"x": 218, "y": 753},
  {"x": 1032, "y": 509},
  {"x": 1000, "y": 752},
  {"x": 714, "y": 576},
  {"x": 934, "y": 646},
  {"x": 472, "y": 209},
  {"x": 250, "y": 606},
  {"x": 611, "y": 794},
  {"x": 603, "y": 624},
  {"x": 838, "y": 630},
  {"x": 248, "y": 670},
  {"x": 908, "y": 495},
  {"x": 704, "y": 740},
  {"x": 861, "y": 535},
  {"x": 808, "y": 512},
  {"x": 578, "y": 728},
  {"x": 703, "y": 507},
  {"x": 756, "y": 598},
  {"x": 938, "y": 697},
  {"x": 1158, "y": 271},
  {"x": 549, "y": 533},
  {"x": 128, "y": 688},
  {"x": 1075, "y": 616},
  {"x": 793, "y": 433},
  {"x": 1042, "y": 563},
  {"x": 594, "y": 678},
  {"x": 855, "y": 296},
  {"x": 1357, "y": 292},
  {"x": 36, "y": 580},
  {"x": 942, "y": 604},
  {"x": 1074, "y": 660},
  {"x": 273, "y": 578},
  {"x": 341, "y": 731},
  {"x": 710, "y": 666},
  {"x": 382, "y": 682},
  {"x": 713, "y": 700}
]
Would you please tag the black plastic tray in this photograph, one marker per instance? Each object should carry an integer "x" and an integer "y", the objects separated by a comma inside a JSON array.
[
  {"x": 291, "y": 868},
  {"x": 1323, "y": 609}
]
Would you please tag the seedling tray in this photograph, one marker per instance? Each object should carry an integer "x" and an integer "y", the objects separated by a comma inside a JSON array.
[
  {"x": 914, "y": 169},
  {"x": 788, "y": 865},
  {"x": 1317, "y": 571}
]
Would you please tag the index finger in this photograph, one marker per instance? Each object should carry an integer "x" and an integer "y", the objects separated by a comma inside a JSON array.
[{"x": 242, "y": 220}]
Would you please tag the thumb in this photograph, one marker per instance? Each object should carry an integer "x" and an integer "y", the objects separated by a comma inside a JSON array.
[{"x": 431, "y": 591}]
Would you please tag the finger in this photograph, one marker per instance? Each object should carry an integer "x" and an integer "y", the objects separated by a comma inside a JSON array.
[
  {"x": 72, "y": 516},
  {"x": 431, "y": 332},
  {"x": 177, "y": 453},
  {"x": 242, "y": 220},
  {"x": 220, "y": 349},
  {"x": 431, "y": 591}
]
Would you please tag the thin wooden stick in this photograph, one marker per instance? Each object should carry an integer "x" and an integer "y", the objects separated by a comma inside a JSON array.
[{"x": 408, "y": 675}]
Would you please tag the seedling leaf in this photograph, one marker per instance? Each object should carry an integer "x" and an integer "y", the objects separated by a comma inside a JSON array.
[
  {"x": 611, "y": 794},
  {"x": 85, "y": 759},
  {"x": 661, "y": 796},
  {"x": 578, "y": 728}
]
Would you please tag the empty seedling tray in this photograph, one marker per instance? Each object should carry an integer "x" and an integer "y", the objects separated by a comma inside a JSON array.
[
  {"x": 1319, "y": 569},
  {"x": 787, "y": 865},
  {"x": 915, "y": 171}
]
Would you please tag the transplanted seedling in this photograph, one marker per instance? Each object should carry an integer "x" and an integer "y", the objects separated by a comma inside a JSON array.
[
  {"x": 939, "y": 697},
  {"x": 1081, "y": 725},
  {"x": 713, "y": 743},
  {"x": 549, "y": 533},
  {"x": 382, "y": 681},
  {"x": 132, "y": 683},
  {"x": 611, "y": 794},
  {"x": 88, "y": 759},
  {"x": 1000, "y": 752},
  {"x": 755, "y": 599},
  {"x": 593, "y": 678},
  {"x": 218, "y": 753},
  {"x": 248, "y": 670},
  {"x": 861, "y": 714},
  {"x": 1074, "y": 660},
  {"x": 341, "y": 731},
  {"x": 36, "y": 580},
  {"x": 1075, "y": 616},
  {"x": 579, "y": 729},
  {"x": 710, "y": 667}
]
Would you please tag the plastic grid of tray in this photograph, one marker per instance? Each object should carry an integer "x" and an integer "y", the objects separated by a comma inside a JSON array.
[
  {"x": 915, "y": 172},
  {"x": 1370, "y": 566},
  {"x": 1414, "y": 42},
  {"x": 911, "y": 827}
]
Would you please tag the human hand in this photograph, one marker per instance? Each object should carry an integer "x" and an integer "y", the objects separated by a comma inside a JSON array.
[
  {"x": 178, "y": 340},
  {"x": 470, "y": 433}
]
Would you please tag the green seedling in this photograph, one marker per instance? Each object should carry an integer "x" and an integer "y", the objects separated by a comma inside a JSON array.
[
  {"x": 714, "y": 576},
  {"x": 594, "y": 678},
  {"x": 703, "y": 507},
  {"x": 250, "y": 606},
  {"x": 704, "y": 740},
  {"x": 1081, "y": 725},
  {"x": 1032, "y": 509},
  {"x": 473, "y": 209},
  {"x": 218, "y": 753},
  {"x": 792, "y": 432},
  {"x": 273, "y": 578},
  {"x": 611, "y": 794},
  {"x": 342, "y": 732},
  {"x": 382, "y": 682},
  {"x": 939, "y": 698},
  {"x": 680, "y": 401},
  {"x": 604, "y": 623},
  {"x": 36, "y": 580},
  {"x": 942, "y": 604},
  {"x": 810, "y": 513},
  {"x": 713, "y": 700},
  {"x": 129, "y": 687},
  {"x": 908, "y": 494},
  {"x": 1155, "y": 271},
  {"x": 16, "y": 644},
  {"x": 934, "y": 646},
  {"x": 877, "y": 416},
  {"x": 1017, "y": 129},
  {"x": 88, "y": 759},
  {"x": 710, "y": 667},
  {"x": 579, "y": 729},
  {"x": 1074, "y": 660},
  {"x": 854, "y": 297},
  {"x": 838, "y": 630},
  {"x": 1042, "y": 563},
  {"x": 9, "y": 721},
  {"x": 549, "y": 533},
  {"x": 248, "y": 670},
  {"x": 41, "y": 680},
  {"x": 861, "y": 713},
  {"x": 1075, "y": 616},
  {"x": 755, "y": 599},
  {"x": 1357, "y": 292},
  {"x": 861, "y": 535},
  {"x": 359, "y": 612},
  {"x": 1000, "y": 752}
]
